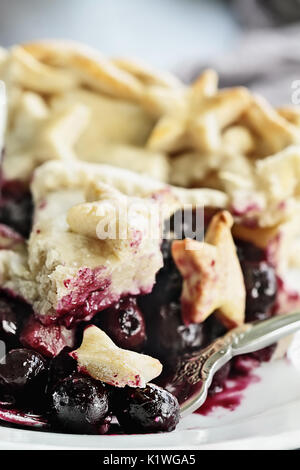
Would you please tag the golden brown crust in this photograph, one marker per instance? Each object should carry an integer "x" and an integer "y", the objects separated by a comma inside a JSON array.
[
  {"x": 94, "y": 68},
  {"x": 213, "y": 278}
]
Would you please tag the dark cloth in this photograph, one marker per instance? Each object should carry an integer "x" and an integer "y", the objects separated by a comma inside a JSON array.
[
  {"x": 266, "y": 60},
  {"x": 266, "y": 13}
]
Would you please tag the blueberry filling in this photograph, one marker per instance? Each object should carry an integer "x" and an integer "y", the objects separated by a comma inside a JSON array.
[
  {"x": 151, "y": 409},
  {"x": 79, "y": 404},
  {"x": 124, "y": 323},
  {"x": 60, "y": 367},
  {"x": 16, "y": 208},
  {"x": 261, "y": 288},
  {"x": 43, "y": 376},
  {"x": 13, "y": 314},
  {"x": 23, "y": 375},
  {"x": 169, "y": 337}
]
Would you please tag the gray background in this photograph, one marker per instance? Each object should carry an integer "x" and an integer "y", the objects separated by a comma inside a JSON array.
[{"x": 162, "y": 32}]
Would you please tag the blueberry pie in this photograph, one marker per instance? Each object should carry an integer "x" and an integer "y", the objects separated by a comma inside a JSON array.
[{"x": 140, "y": 219}]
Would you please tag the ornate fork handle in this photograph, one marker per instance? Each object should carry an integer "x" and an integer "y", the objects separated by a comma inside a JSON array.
[
  {"x": 197, "y": 366},
  {"x": 196, "y": 371}
]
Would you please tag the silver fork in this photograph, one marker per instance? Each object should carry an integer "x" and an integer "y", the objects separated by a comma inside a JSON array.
[{"x": 195, "y": 372}]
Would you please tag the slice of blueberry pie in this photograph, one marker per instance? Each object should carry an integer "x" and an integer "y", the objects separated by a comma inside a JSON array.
[{"x": 140, "y": 219}]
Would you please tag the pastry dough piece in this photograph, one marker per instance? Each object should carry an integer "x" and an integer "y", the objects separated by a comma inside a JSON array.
[
  {"x": 212, "y": 274},
  {"x": 57, "y": 137},
  {"x": 279, "y": 174},
  {"x": 213, "y": 170},
  {"x": 99, "y": 357},
  {"x": 191, "y": 169},
  {"x": 205, "y": 85},
  {"x": 19, "y": 166},
  {"x": 291, "y": 114},
  {"x": 29, "y": 73},
  {"x": 55, "y": 174},
  {"x": 275, "y": 132},
  {"x": 74, "y": 272},
  {"x": 111, "y": 121},
  {"x": 88, "y": 65},
  {"x": 38, "y": 135},
  {"x": 2, "y": 115},
  {"x": 160, "y": 101},
  {"x": 14, "y": 273},
  {"x": 201, "y": 121},
  {"x": 3, "y": 57},
  {"x": 238, "y": 140},
  {"x": 146, "y": 74},
  {"x": 67, "y": 271},
  {"x": 120, "y": 220},
  {"x": 32, "y": 112},
  {"x": 140, "y": 160}
]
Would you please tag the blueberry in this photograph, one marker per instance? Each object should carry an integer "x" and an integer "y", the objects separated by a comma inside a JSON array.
[
  {"x": 60, "y": 367},
  {"x": 8, "y": 325},
  {"x": 12, "y": 315},
  {"x": 80, "y": 404},
  {"x": 261, "y": 287},
  {"x": 214, "y": 327},
  {"x": 190, "y": 223},
  {"x": 169, "y": 337},
  {"x": 150, "y": 409},
  {"x": 17, "y": 214},
  {"x": 23, "y": 374},
  {"x": 247, "y": 251},
  {"x": 7, "y": 400},
  {"x": 168, "y": 284},
  {"x": 124, "y": 323}
]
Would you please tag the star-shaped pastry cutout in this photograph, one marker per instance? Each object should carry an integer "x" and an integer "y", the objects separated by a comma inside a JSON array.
[
  {"x": 212, "y": 275},
  {"x": 198, "y": 124},
  {"x": 100, "y": 358}
]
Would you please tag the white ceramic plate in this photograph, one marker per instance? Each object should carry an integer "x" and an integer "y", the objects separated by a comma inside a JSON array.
[{"x": 268, "y": 418}]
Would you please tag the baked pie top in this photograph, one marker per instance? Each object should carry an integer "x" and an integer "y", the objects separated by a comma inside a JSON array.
[
  {"x": 68, "y": 102},
  {"x": 68, "y": 269}
]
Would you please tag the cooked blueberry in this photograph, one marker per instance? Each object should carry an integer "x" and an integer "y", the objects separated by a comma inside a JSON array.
[
  {"x": 166, "y": 252},
  {"x": 214, "y": 327},
  {"x": 17, "y": 214},
  {"x": 124, "y": 323},
  {"x": 7, "y": 401},
  {"x": 105, "y": 425},
  {"x": 168, "y": 336},
  {"x": 60, "y": 367},
  {"x": 190, "y": 223},
  {"x": 150, "y": 409},
  {"x": 168, "y": 285},
  {"x": 79, "y": 404},
  {"x": 261, "y": 287},
  {"x": 249, "y": 252},
  {"x": 12, "y": 315},
  {"x": 24, "y": 375}
]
